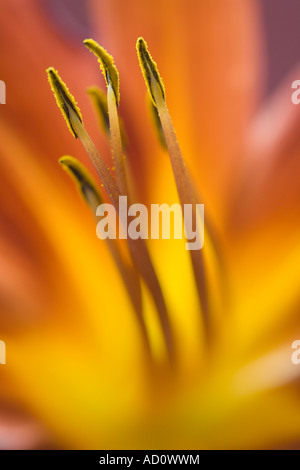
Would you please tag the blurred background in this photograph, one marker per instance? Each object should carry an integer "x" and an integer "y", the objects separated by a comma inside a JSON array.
[{"x": 279, "y": 21}]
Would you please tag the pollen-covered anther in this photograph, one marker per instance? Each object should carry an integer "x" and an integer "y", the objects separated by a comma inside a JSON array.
[
  {"x": 99, "y": 100},
  {"x": 150, "y": 72},
  {"x": 84, "y": 181},
  {"x": 111, "y": 75},
  {"x": 107, "y": 66},
  {"x": 183, "y": 183},
  {"x": 65, "y": 101}
]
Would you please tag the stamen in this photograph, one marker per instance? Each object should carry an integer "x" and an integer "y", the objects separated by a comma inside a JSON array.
[
  {"x": 183, "y": 183},
  {"x": 138, "y": 248},
  {"x": 149, "y": 70},
  {"x": 107, "y": 66},
  {"x": 143, "y": 262},
  {"x": 89, "y": 191},
  {"x": 116, "y": 141},
  {"x": 83, "y": 180},
  {"x": 111, "y": 76},
  {"x": 157, "y": 123},
  {"x": 100, "y": 103},
  {"x": 99, "y": 99},
  {"x": 67, "y": 104},
  {"x": 65, "y": 101}
]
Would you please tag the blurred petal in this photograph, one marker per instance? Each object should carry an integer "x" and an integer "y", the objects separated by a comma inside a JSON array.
[
  {"x": 20, "y": 432},
  {"x": 268, "y": 185}
]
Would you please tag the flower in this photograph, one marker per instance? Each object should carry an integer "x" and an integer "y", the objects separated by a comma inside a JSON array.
[{"x": 76, "y": 358}]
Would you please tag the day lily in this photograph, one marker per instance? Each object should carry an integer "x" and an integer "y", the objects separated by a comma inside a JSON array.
[{"x": 200, "y": 357}]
